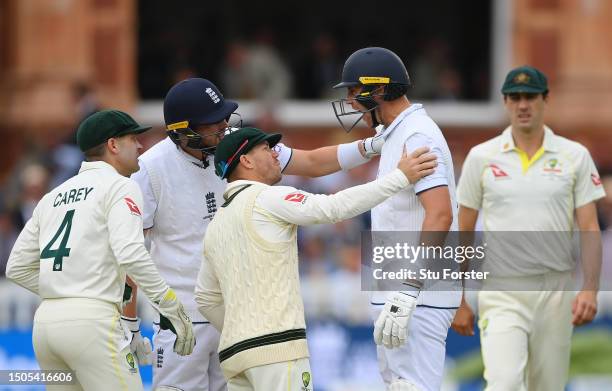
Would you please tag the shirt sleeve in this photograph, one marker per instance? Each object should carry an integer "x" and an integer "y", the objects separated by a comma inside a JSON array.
[
  {"x": 124, "y": 219},
  {"x": 438, "y": 177},
  {"x": 588, "y": 186},
  {"x": 284, "y": 155},
  {"x": 23, "y": 265},
  {"x": 469, "y": 189},
  {"x": 149, "y": 206},
  {"x": 298, "y": 207},
  {"x": 208, "y": 295}
]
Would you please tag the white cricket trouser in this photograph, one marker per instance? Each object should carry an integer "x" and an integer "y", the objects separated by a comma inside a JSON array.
[
  {"x": 292, "y": 375},
  {"x": 421, "y": 359},
  {"x": 85, "y": 336},
  {"x": 525, "y": 339},
  {"x": 200, "y": 371}
]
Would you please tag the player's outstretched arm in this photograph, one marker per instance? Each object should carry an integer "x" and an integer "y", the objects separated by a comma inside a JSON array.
[
  {"x": 327, "y": 160},
  {"x": 301, "y": 208}
]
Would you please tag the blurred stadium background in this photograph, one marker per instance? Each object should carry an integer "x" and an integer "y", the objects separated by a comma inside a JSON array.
[{"x": 60, "y": 60}]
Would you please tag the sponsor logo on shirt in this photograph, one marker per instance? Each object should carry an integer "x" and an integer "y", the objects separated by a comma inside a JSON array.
[
  {"x": 132, "y": 206},
  {"x": 498, "y": 173},
  {"x": 295, "y": 197},
  {"x": 596, "y": 179}
]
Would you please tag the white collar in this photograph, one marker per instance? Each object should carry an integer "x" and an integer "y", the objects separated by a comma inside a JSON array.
[
  {"x": 409, "y": 110},
  {"x": 96, "y": 165},
  {"x": 236, "y": 185}
]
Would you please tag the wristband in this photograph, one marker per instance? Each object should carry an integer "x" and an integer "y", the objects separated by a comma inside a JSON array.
[{"x": 349, "y": 155}]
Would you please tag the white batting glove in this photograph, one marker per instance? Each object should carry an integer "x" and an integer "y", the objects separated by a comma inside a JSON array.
[
  {"x": 373, "y": 145},
  {"x": 391, "y": 327},
  {"x": 174, "y": 317},
  {"x": 140, "y": 347}
]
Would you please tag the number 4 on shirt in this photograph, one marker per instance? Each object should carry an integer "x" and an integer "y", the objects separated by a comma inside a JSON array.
[{"x": 62, "y": 251}]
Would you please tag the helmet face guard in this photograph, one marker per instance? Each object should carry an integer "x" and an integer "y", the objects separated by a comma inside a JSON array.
[
  {"x": 376, "y": 70},
  {"x": 181, "y": 134},
  {"x": 366, "y": 98}
]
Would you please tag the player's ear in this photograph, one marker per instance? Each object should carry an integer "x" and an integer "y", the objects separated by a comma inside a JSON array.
[
  {"x": 112, "y": 145},
  {"x": 246, "y": 161}
]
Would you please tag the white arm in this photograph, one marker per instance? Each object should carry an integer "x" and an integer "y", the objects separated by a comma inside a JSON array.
[
  {"x": 23, "y": 265},
  {"x": 127, "y": 241},
  {"x": 208, "y": 295},
  {"x": 302, "y": 208}
]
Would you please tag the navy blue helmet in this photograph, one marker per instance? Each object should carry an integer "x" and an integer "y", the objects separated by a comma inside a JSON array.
[{"x": 380, "y": 72}]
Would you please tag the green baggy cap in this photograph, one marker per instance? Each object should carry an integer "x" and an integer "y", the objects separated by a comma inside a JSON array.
[
  {"x": 237, "y": 143},
  {"x": 106, "y": 124},
  {"x": 525, "y": 79}
]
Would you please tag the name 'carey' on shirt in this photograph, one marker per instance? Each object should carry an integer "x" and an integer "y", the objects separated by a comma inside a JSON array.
[{"x": 73, "y": 195}]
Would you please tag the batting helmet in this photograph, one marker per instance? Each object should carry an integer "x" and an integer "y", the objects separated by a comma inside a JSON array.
[
  {"x": 193, "y": 102},
  {"x": 372, "y": 68}
]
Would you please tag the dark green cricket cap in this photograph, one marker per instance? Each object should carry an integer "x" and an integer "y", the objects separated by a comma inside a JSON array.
[
  {"x": 106, "y": 124},
  {"x": 525, "y": 79},
  {"x": 236, "y": 144}
]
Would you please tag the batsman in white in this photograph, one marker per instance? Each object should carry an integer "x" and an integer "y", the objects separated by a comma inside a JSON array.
[
  {"x": 75, "y": 251},
  {"x": 181, "y": 196},
  {"x": 248, "y": 285},
  {"x": 412, "y": 324}
]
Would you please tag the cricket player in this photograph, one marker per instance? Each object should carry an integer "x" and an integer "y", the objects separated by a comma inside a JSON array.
[
  {"x": 181, "y": 196},
  {"x": 411, "y": 325},
  {"x": 248, "y": 285},
  {"x": 75, "y": 251},
  {"x": 530, "y": 179}
]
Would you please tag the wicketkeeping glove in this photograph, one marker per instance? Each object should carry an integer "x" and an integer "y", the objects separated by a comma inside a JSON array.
[
  {"x": 391, "y": 327},
  {"x": 140, "y": 347},
  {"x": 179, "y": 322}
]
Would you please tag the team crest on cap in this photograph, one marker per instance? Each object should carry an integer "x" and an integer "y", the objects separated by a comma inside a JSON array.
[
  {"x": 213, "y": 95},
  {"x": 522, "y": 78}
]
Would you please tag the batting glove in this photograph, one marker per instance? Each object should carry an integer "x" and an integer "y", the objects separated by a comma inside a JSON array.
[
  {"x": 373, "y": 145},
  {"x": 391, "y": 327},
  {"x": 174, "y": 317},
  {"x": 140, "y": 347}
]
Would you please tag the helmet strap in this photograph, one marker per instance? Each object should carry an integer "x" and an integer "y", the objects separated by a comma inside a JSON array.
[
  {"x": 194, "y": 143},
  {"x": 375, "y": 122}
]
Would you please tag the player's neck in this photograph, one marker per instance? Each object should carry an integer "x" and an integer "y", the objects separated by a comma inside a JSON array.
[
  {"x": 528, "y": 140},
  {"x": 196, "y": 153},
  {"x": 390, "y": 110}
]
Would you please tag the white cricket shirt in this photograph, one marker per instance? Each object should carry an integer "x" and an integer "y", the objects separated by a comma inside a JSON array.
[
  {"x": 83, "y": 237},
  {"x": 516, "y": 193},
  {"x": 413, "y": 128}
]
